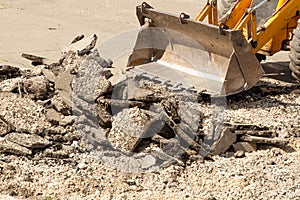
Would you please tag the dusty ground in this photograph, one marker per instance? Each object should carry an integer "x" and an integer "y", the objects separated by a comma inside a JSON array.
[
  {"x": 266, "y": 174},
  {"x": 269, "y": 173},
  {"x": 44, "y": 27}
]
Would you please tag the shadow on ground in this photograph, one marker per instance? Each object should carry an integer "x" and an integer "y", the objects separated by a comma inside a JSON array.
[
  {"x": 277, "y": 81},
  {"x": 278, "y": 71}
]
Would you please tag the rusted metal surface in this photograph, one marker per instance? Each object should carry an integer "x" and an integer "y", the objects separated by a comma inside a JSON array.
[{"x": 203, "y": 56}]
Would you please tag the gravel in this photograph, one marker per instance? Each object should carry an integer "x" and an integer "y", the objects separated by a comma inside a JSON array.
[
  {"x": 265, "y": 174},
  {"x": 44, "y": 156},
  {"x": 62, "y": 173}
]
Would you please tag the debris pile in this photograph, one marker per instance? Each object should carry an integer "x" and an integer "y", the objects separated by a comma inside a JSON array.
[
  {"x": 61, "y": 108},
  {"x": 36, "y": 107}
]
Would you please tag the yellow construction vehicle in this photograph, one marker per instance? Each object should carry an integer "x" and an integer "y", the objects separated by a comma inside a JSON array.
[{"x": 217, "y": 54}]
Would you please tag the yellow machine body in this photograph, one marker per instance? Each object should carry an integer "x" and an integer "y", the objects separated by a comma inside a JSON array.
[{"x": 211, "y": 54}]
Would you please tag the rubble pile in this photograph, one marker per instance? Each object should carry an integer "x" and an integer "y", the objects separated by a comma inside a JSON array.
[
  {"x": 152, "y": 113},
  {"x": 36, "y": 108},
  {"x": 58, "y": 109}
]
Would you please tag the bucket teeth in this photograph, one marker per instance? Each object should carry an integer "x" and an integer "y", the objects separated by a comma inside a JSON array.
[
  {"x": 173, "y": 86},
  {"x": 195, "y": 53}
]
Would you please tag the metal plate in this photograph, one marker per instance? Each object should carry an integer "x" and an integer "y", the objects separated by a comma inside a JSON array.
[{"x": 219, "y": 61}]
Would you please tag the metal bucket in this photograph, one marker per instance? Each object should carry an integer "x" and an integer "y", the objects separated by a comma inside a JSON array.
[{"x": 200, "y": 55}]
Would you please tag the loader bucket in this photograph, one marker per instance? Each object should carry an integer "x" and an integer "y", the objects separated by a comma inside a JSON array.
[{"x": 195, "y": 54}]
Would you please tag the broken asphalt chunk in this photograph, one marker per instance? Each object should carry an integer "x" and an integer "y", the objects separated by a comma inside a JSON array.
[
  {"x": 226, "y": 139},
  {"x": 103, "y": 87},
  {"x": 82, "y": 45},
  {"x": 49, "y": 75},
  {"x": 12, "y": 85},
  {"x": 128, "y": 128},
  {"x": 244, "y": 146},
  {"x": 7, "y": 71},
  {"x": 4, "y": 128},
  {"x": 53, "y": 116},
  {"x": 263, "y": 140},
  {"x": 9, "y": 147},
  {"x": 36, "y": 60},
  {"x": 37, "y": 87},
  {"x": 31, "y": 141}
]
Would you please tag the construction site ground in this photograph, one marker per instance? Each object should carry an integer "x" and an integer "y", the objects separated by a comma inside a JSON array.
[{"x": 43, "y": 28}]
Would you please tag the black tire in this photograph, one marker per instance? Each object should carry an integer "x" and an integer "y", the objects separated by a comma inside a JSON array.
[
  {"x": 297, "y": 33},
  {"x": 295, "y": 44},
  {"x": 295, "y": 68},
  {"x": 295, "y": 57},
  {"x": 295, "y": 53}
]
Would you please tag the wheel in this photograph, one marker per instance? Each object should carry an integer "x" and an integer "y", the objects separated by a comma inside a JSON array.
[
  {"x": 296, "y": 41},
  {"x": 295, "y": 53}
]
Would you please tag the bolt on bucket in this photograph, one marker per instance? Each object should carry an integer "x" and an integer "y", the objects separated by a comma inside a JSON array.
[{"x": 194, "y": 54}]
